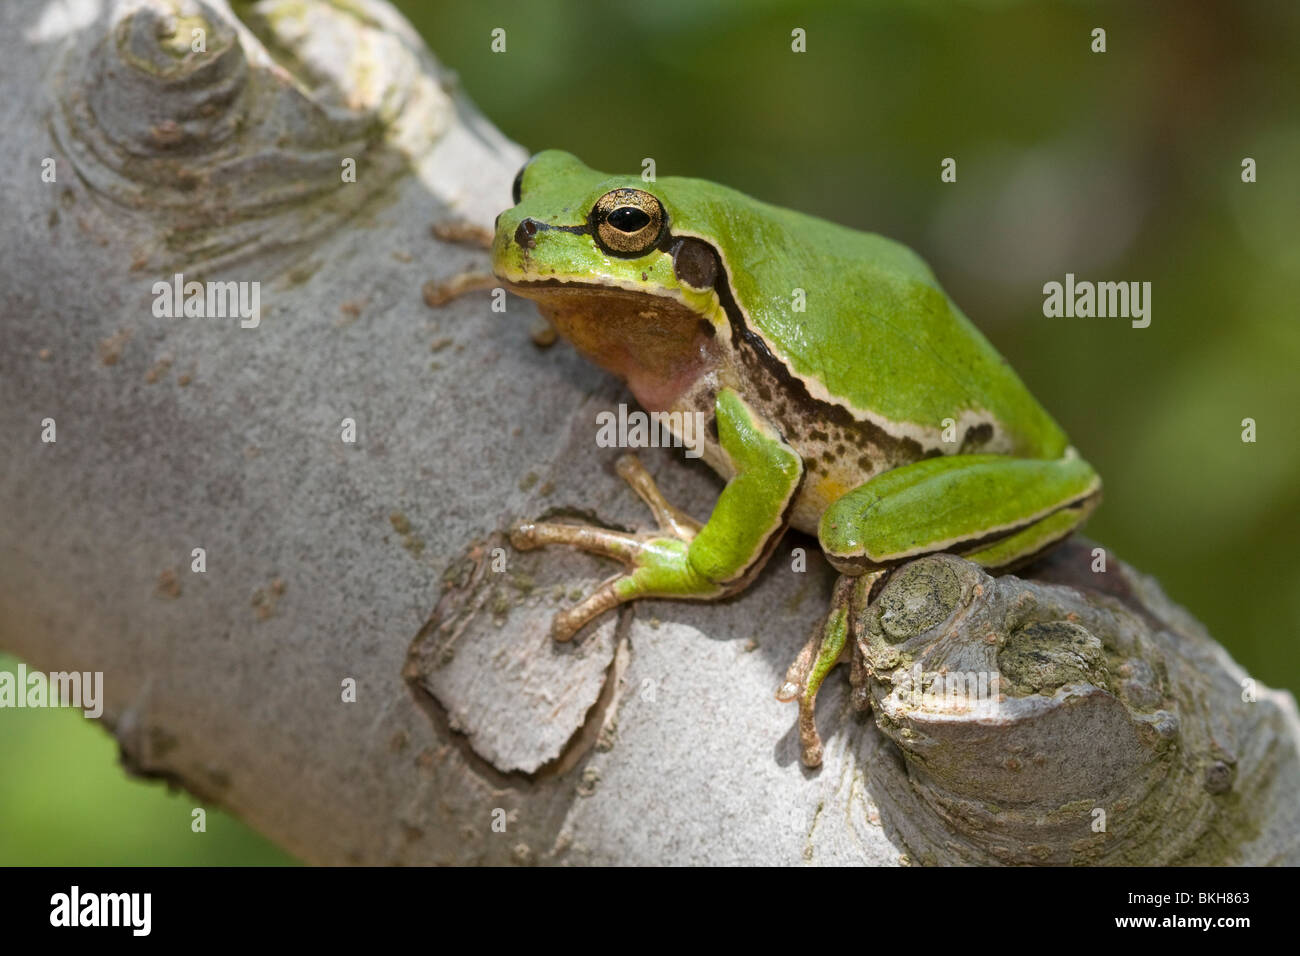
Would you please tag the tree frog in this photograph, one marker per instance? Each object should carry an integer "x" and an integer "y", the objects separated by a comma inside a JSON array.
[{"x": 846, "y": 396}]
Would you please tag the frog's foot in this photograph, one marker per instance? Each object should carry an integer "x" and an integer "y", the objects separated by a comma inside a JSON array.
[
  {"x": 438, "y": 294},
  {"x": 464, "y": 233},
  {"x": 823, "y": 651},
  {"x": 657, "y": 562}
]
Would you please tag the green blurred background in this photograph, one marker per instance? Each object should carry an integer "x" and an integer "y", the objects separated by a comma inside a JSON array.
[{"x": 1123, "y": 165}]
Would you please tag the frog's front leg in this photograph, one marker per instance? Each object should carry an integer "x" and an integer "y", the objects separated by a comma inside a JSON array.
[{"x": 685, "y": 559}]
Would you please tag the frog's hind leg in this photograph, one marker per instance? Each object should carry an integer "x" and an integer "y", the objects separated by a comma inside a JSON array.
[{"x": 823, "y": 651}]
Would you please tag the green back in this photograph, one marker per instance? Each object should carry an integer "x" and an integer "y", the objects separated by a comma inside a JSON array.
[{"x": 877, "y": 329}]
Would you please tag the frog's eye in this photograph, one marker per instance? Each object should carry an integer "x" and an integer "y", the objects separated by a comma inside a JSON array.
[
  {"x": 627, "y": 222},
  {"x": 517, "y": 187}
]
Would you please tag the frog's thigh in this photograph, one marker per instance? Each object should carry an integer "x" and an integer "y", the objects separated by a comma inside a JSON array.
[{"x": 994, "y": 509}]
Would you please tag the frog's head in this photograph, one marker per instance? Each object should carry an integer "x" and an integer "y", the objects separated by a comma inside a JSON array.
[{"x": 602, "y": 257}]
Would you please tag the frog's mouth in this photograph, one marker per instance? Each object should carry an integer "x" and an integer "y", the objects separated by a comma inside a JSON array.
[{"x": 655, "y": 343}]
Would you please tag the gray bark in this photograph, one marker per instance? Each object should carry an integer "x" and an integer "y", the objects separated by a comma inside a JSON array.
[{"x": 655, "y": 738}]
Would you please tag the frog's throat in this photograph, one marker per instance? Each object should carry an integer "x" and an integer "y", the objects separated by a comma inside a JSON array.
[{"x": 655, "y": 343}]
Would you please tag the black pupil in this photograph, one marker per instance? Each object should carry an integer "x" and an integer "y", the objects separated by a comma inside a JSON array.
[{"x": 628, "y": 219}]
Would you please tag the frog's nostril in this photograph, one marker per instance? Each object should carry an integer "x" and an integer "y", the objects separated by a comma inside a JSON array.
[{"x": 526, "y": 234}]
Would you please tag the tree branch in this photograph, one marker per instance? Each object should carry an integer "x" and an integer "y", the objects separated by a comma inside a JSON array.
[{"x": 474, "y": 738}]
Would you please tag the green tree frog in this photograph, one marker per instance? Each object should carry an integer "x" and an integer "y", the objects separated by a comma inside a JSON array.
[{"x": 847, "y": 396}]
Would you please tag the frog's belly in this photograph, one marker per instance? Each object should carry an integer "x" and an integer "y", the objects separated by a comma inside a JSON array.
[{"x": 828, "y": 475}]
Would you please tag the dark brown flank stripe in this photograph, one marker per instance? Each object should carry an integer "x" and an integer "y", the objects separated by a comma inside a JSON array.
[{"x": 756, "y": 353}]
